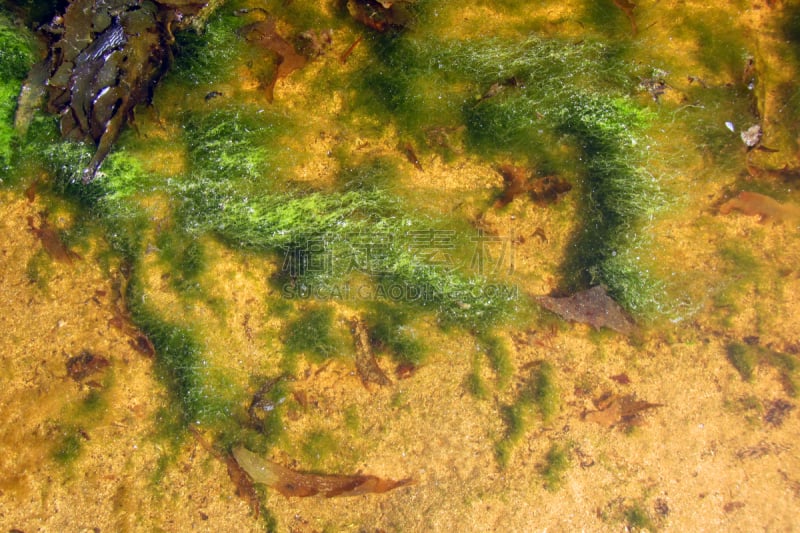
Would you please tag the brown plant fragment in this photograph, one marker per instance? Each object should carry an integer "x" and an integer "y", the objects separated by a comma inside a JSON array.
[
  {"x": 85, "y": 364},
  {"x": 765, "y": 207},
  {"x": 264, "y": 34},
  {"x": 627, "y": 7},
  {"x": 262, "y": 405},
  {"x": 292, "y": 483},
  {"x": 411, "y": 155},
  {"x": 593, "y": 306},
  {"x": 349, "y": 50},
  {"x": 777, "y": 412},
  {"x": 51, "y": 242},
  {"x": 244, "y": 485},
  {"x": 517, "y": 181},
  {"x": 367, "y": 366},
  {"x": 614, "y": 410},
  {"x": 378, "y": 15},
  {"x": 405, "y": 370},
  {"x": 733, "y": 506},
  {"x": 622, "y": 379}
]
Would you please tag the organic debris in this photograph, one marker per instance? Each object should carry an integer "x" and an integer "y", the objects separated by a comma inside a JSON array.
[
  {"x": 593, "y": 306},
  {"x": 499, "y": 87},
  {"x": 367, "y": 366},
  {"x": 292, "y": 483},
  {"x": 244, "y": 486},
  {"x": 263, "y": 405},
  {"x": 776, "y": 413},
  {"x": 107, "y": 60},
  {"x": 380, "y": 15},
  {"x": 755, "y": 204},
  {"x": 411, "y": 155},
  {"x": 51, "y": 241},
  {"x": 655, "y": 86},
  {"x": 627, "y": 7},
  {"x": 622, "y": 379},
  {"x": 751, "y": 137},
  {"x": 264, "y": 34},
  {"x": 85, "y": 364},
  {"x": 314, "y": 43},
  {"x": 349, "y": 50},
  {"x": 517, "y": 181},
  {"x": 405, "y": 370},
  {"x": 624, "y": 411}
]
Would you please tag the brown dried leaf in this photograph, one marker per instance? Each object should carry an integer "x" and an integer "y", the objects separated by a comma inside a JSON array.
[
  {"x": 593, "y": 306},
  {"x": 292, "y": 483},
  {"x": 614, "y": 410},
  {"x": 367, "y": 366},
  {"x": 755, "y": 204}
]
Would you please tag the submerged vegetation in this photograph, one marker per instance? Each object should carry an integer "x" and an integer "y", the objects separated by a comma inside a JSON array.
[{"x": 339, "y": 246}]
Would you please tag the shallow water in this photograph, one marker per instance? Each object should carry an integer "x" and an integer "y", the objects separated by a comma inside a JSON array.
[{"x": 246, "y": 240}]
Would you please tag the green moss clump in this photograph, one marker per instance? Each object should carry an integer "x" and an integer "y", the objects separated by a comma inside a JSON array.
[
  {"x": 517, "y": 420},
  {"x": 545, "y": 391},
  {"x": 204, "y": 394},
  {"x": 743, "y": 359},
  {"x": 389, "y": 328},
  {"x": 556, "y": 463},
  {"x": 318, "y": 447},
  {"x": 638, "y": 518},
  {"x": 234, "y": 145},
  {"x": 312, "y": 334},
  {"x": 499, "y": 357},
  {"x": 68, "y": 447},
  {"x": 210, "y": 54},
  {"x": 539, "y": 394},
  {"x": 39, "y": 270},
  {"x": 16, "y": 57}
]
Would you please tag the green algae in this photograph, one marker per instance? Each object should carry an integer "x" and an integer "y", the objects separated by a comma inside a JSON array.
[
  {"x": 539, "y": 394},
  {"x": 312, "y": 333},
  {"x": 556, "y": 463},
  {"x": 16, "y": 57}
]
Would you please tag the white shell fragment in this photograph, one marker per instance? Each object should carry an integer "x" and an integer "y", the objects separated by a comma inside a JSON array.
[{"x": 752, "y": 136}]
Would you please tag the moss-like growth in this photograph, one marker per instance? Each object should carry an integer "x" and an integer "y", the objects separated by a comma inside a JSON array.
[
  {"x": 499, "y": 357},
  {"x": 545, "y": 391},
  {"x": 743, "y": 360},
  {"x": 539, "y": 394},
  {"x": 523, "y": 97},
  {"x": 389, "y": 328},
  {"x": 556, "y": 463},
  {"x": 39, "y": 270},
  {"x": 68, "y": 446},
  {"x": 318, "y": 447},
  {"x": 16, "y": 57},
  {"x": 638, "y": 518},
  {"x": 312, "y": 333},
  {"x": 210, "y": 54}
]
